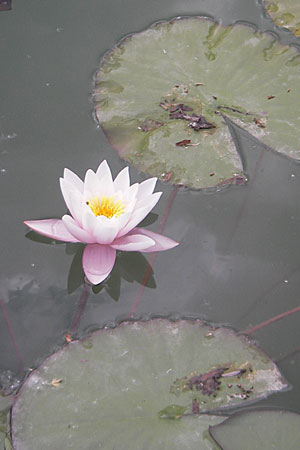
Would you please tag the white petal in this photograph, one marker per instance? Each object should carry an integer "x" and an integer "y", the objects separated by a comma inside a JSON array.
[
  {"x": 146, "y": 188},
  {"x": 91, "y": 183},
  {"x": 105, "y": 230},
  {"x": 66, "y": 188},
  {"x": 139, "y": 214},
  {"x": 106, "y": 187},
  {"x": 88, "y": 220},
  {"x": 104, "y": 171},
  {"x": 122, "y": 220},
  {"x": 73, "y": 179},
  {"x": 78, "y": 205},
  {"x": 130, "y": 203},
  {"x": 122, "y": 180},
  {"x": 79, "y": 233},
  {"x": 131, "y": 192}
]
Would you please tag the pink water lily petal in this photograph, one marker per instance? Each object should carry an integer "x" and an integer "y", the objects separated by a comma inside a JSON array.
[
  {"x": 139, "y": 214},
  {"x": 129, "y": 203},
  {"x": 146, "y": 188},
  {"x": 97, "y": 262},
  {"x": 73, "y": 199},
  {"x": 77, "y": 205},
  {"x": 123, "y": 219},
  {"x": 132, "y": 190},
  {"x": 122, "y": 180},
  {"x": 106, "y": 231},
  {"x": 66, "y": 189},
  {"x": 106, "y": 187},
  {"x": 79, "y": 233},
  {"x": 104, "y": 235},
  {"x": 73, "y": 179},
  {"x": 91, "y": 183},
  {"x": 52, "y": 228},
  {"x": 161, "y": 242},
  {"x": 103, "y": 230},
  {"x": 104, "y": 171},
  {"x": 133, "y": 242}
]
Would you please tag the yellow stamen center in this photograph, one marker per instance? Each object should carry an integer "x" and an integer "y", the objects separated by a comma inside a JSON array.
[{"x": 108, "y": 206}]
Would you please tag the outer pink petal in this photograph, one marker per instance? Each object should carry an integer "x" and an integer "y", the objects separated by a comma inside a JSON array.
[
  {"x": 139, "y": 214},
  {"x": 79, "y": 233},
  {"x": 52, "y": 228},
  {"x": 98, "y": 261},
  {"x": 161, "y": 242},
  {"x": 132, "y": 243}
]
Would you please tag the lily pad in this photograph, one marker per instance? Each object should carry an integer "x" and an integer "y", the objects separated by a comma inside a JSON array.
[
  {"x": 122, "y": 388},
  {"x": 161, "y": 96},
  {"x": 285, "y": 13},
  {"x": 5, "y": 404},
  {"x": 261, "y": 429}
]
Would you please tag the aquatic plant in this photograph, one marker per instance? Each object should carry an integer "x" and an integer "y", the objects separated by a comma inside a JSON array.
[
  {"x": 154, "y": 384},
  {"x": 164, "y": 98},
  {"x": 104, "y": 214}
]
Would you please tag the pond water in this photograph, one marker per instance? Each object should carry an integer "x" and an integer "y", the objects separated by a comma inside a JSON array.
[{"x": 238, "y": 261}]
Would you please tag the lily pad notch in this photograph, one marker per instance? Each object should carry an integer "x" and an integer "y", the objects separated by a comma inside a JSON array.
[{"x": 161, "y": 95}]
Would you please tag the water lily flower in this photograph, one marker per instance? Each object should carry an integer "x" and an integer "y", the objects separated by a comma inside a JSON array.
[{"x": 104, "y": 214}]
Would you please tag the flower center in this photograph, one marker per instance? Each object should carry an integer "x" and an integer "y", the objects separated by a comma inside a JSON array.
[{"x": 108, "y": 206}]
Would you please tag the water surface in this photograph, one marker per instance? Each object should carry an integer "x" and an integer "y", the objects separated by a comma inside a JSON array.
[{"x": 238, "y": 260}]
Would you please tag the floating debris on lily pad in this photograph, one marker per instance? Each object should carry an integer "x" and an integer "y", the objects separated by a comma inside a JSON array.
[
  {"x": 175, "y": 82},
  {"x": 285, "y": 13},
  {"x": 126, "y": 389},
  {"x": 261, "y": 429}
]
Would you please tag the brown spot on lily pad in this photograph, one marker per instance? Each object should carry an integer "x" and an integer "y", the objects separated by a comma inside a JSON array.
[
  {"x": 150, "y": 125},
  {"x": 259, "y": 122},
  {"x": 183, "y": 143}
]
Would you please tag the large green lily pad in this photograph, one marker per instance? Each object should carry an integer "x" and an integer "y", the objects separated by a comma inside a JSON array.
[
  {"x": 140, "y": 385},
  {"x": 285, "y": 13},
  {"x": 259, "y": 429},
  {"x": 161, "y": 96}
]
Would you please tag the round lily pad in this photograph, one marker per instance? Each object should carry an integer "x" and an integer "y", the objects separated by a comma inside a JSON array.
[
  {"x": 285, "y": 13},
  {"x": 161, "y": 96},
  {"x": 261, "y": 429},
  {"x": 140, "y": 385}
]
